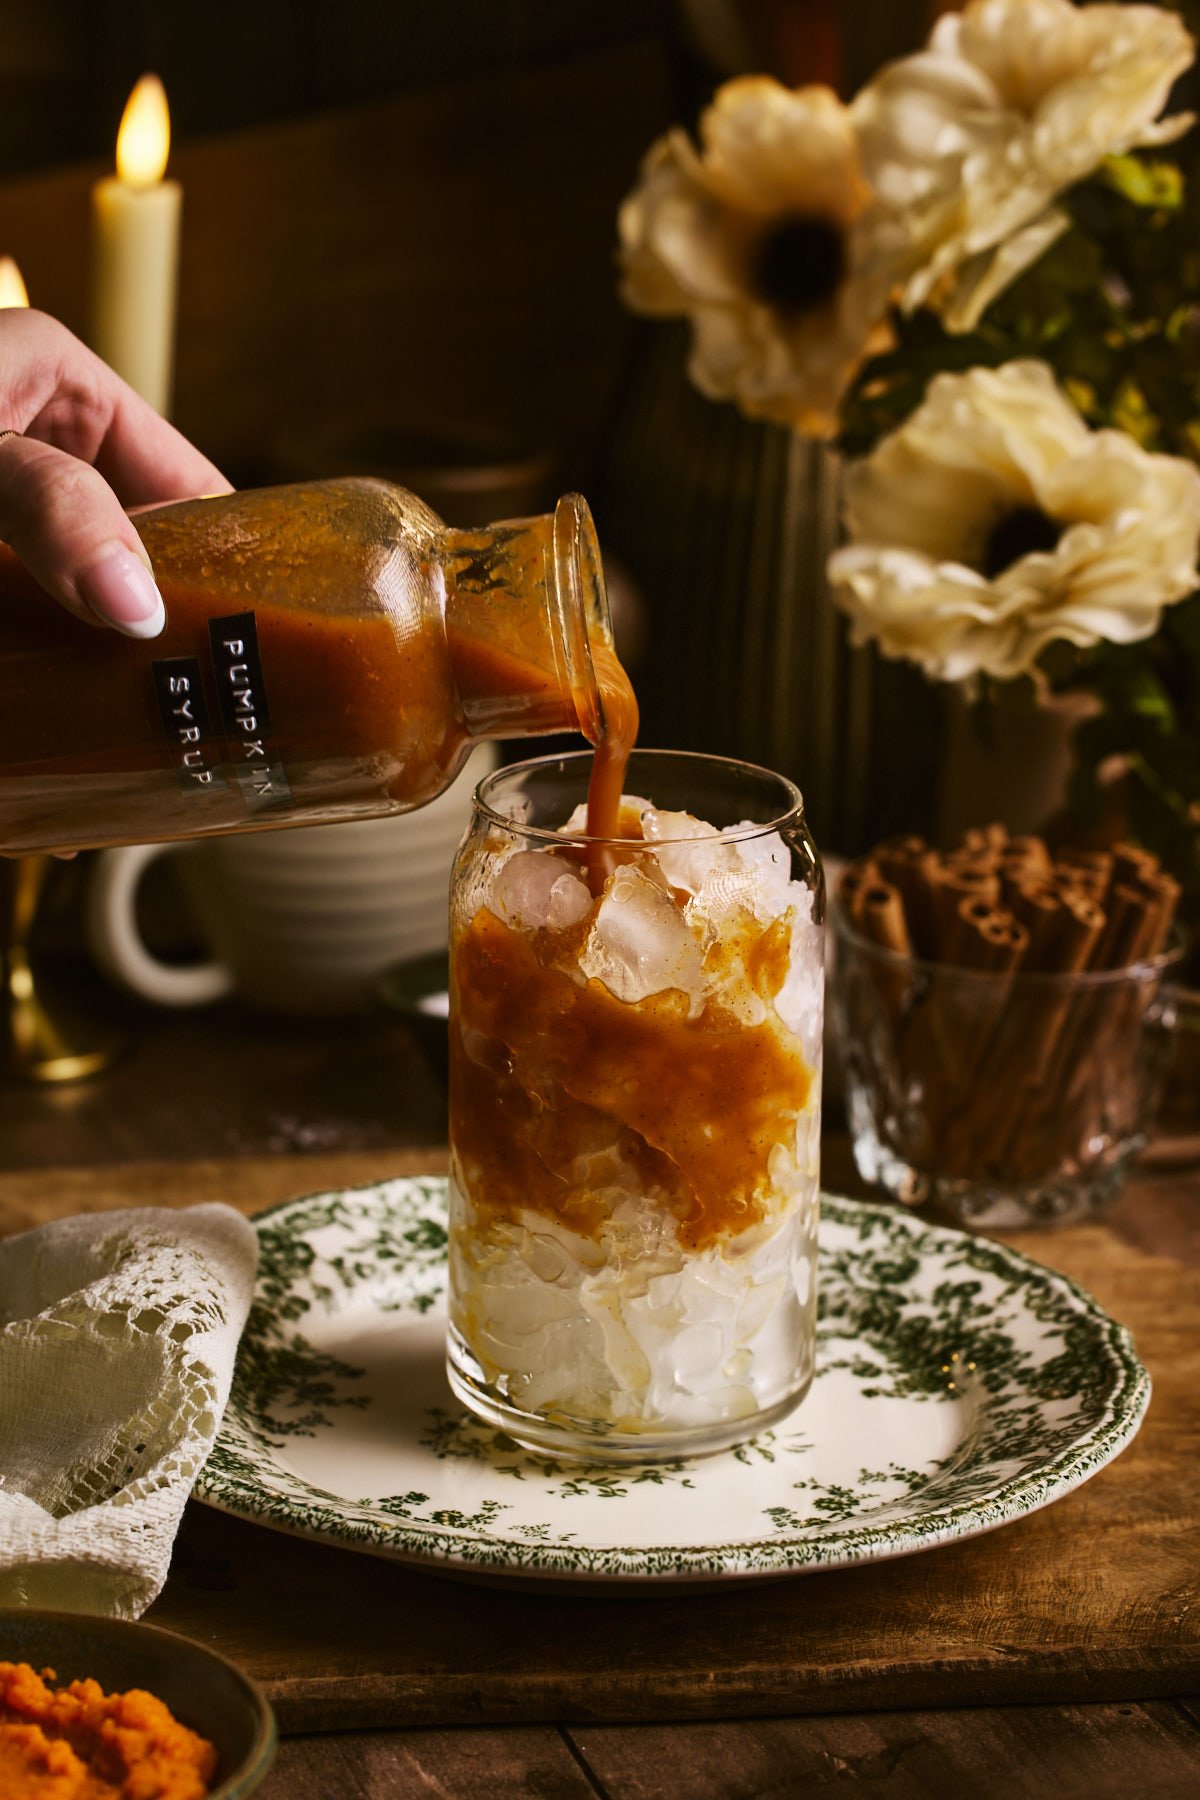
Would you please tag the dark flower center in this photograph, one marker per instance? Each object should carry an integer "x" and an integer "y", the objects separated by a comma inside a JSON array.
[
  {"x": 1019, "y": 533},
  {"x": 799, "y": 264}
]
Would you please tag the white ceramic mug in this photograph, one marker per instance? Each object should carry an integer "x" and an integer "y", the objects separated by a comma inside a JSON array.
[{"x": 300, "y": 921}]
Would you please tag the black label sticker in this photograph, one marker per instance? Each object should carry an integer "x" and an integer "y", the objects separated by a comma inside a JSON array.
[
  {"x": 195, "y": 751},
  {"x": 245, "y": 714}
]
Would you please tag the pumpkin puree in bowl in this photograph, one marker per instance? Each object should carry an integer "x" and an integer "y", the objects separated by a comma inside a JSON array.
[{"x": 79, "y": 1743}]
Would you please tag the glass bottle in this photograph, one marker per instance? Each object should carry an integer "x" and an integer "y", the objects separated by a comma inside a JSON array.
[{"x": 332, "y": 651}]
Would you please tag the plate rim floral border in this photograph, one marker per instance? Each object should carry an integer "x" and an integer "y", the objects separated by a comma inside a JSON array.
[{"x": 450, "y": 1551}]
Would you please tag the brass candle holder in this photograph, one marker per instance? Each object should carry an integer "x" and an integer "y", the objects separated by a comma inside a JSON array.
[{"x": 43, "y": 1036}]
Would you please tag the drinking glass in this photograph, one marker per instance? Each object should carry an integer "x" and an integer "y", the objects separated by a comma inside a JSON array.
[
  {"x": 635, "y": 1057},
  {"x": 1009, "y": 1100}
]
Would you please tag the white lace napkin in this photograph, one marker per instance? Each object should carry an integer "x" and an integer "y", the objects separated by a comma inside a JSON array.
[{"x": 117, "y": 1337}]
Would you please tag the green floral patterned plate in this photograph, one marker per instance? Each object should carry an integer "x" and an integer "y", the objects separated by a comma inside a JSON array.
[{"x": 959, "y": 1386}]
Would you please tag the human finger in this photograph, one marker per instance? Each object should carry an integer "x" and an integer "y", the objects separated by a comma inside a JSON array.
[{"x": 69, "y": 529}]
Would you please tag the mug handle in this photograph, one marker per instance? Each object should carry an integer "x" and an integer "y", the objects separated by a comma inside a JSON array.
[{"x": 113, "y": 937}]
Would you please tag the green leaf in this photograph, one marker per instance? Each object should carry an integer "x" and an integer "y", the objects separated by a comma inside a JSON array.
[
  {"x": 1082, "y": 395},
  {"x": 1145, "y": 183},
  {"x": 1146, "y": 697},
  {"x": 1131, "y": 413}
]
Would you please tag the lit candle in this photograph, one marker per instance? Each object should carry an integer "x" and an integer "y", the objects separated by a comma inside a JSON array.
[
  {"x": 12, "y": 288},
  {"x": 135, "y": 223}
]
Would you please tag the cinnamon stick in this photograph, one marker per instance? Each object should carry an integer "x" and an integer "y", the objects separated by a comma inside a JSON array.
[
  {"x": 1130, "y": 930},
  {"x": 1025, "y": 862},
  {"x": 1095, "y": 1051},
  {"x": 966, "y": 940},
  {"x": 950, "y": 1037},
  {"x": 950, "y": 887},
  {"x": 1107, "y": 1029},
  {"x": 1060, "y": 935},
  {"x": 1162, "y": 892},
  {"x": 879, "y": 916},
  {"x": 1092, "y": 862},
  {"x": 909, "y": 864},
  {"x": 1029, "y": 850},
  {"x": 854, "y": 878},
  {"x": 1065, "y": 936},
  {"x": 990, "y": 839},
  {"x": 973, "y": 862},
  {"x": 1131, "y": 863},
  {"x": 1035, "y": 906}
]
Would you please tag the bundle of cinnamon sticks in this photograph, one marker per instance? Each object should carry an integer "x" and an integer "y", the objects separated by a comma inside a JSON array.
[{"x": 999, "y": 1076}]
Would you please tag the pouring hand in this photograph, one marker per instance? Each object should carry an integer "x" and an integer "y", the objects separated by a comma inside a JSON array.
[{"x": 77, "y": 446}]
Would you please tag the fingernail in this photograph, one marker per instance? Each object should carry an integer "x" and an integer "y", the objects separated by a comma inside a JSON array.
[
  {"x": 122, "y": 591},
  {"x": 143, "y": 556}
]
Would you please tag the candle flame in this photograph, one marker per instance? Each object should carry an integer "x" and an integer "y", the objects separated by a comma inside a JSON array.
[
  {"x": 12, "y": 288},
  {"x": 145, "y": 135}
]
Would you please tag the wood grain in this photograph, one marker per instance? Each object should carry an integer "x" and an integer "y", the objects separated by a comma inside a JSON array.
[
  {"x": 1059, "y": 1752},
  {"x": 224, "y": 1081},
  {"x": 413, "y": 1765},
  {"x": 1071, "y": 1752},
  {"x": 341, "y": 1640},
  {"x": 249, "y": 1183},
  {"x": 1094, "y": 1598}
]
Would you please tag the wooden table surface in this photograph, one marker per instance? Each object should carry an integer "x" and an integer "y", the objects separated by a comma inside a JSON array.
[{"x": 1058, "y": 1657}]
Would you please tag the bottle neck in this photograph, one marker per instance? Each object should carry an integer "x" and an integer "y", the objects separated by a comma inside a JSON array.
[{"x": 525, "y": 604}]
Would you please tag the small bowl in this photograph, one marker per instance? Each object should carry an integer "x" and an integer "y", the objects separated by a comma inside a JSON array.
[
  {"x": 203, "y": 1690},
  {"x": 419, "y": 991}
]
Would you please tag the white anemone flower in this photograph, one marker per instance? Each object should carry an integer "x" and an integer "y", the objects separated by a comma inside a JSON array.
[
  {"x": 969, "y": 142},
  {"x": 994, "y": 521},
  {"x": 762, "y": 239}
]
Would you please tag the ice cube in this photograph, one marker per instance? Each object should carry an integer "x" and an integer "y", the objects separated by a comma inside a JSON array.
[
  {"x": 535, "y": 890},
  {"x": 800, "y": 1001},
  {"x": 699, "y": 1352},
  {"x": 758, "y": 1303},
  {"x": 626, "y": 1360},
  {"x": 723, "y": 900},
  {"x": 767, "y": 861},
  {"x": 691, "y": 852},
  {"x": 753, "y": 878},
  {"x": 576, "y": 825},
  {"x": 639, "y": 1231},
  {"x": 640, "y": 943},
  {"x": 569, "y": 902}
]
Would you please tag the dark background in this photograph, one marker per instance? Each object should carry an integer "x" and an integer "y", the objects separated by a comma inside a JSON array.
[{"x": 66, "y": 66}]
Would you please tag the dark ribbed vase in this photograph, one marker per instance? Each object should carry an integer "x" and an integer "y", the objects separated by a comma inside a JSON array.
[{"x": 725, "y": 525}]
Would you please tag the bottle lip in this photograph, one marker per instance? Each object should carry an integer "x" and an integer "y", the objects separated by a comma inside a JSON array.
[
  {"x": 572, "y": 767},
  {"x": 582, "y": 606}
]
